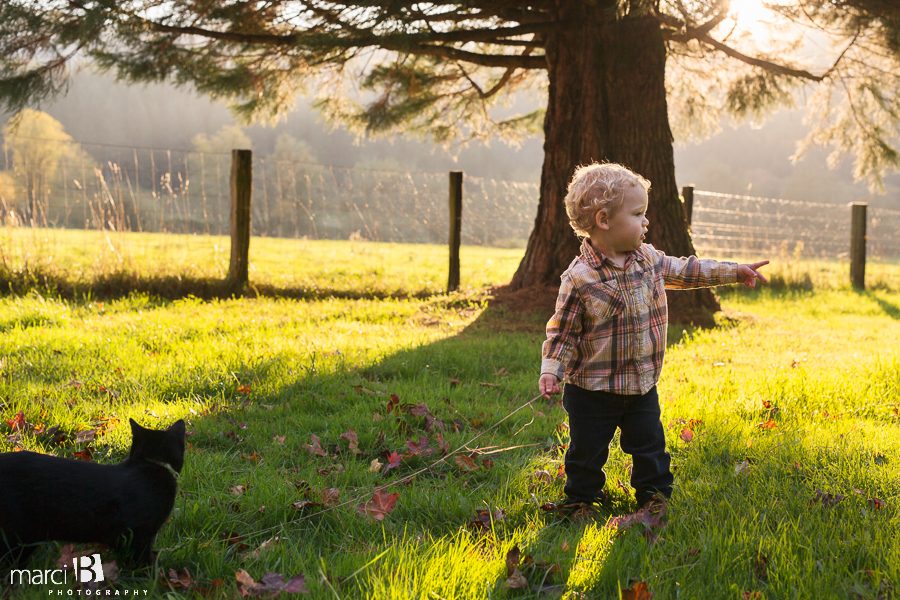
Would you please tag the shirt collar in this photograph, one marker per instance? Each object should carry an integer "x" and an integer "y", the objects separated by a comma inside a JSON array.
[{"x": 596, "y": 260}]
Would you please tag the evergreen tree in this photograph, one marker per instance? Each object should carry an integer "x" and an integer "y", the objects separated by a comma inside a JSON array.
[{"x": 618, "y": 77}]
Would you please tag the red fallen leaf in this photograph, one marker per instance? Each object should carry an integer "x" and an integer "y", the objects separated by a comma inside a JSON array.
[
  {"x": 454, "y": 382},
  {"x": 687, "y": 435},
  {"x": 876, "y": 503},
  {"x": 766, "y": 404},
  {"x": 487, "y": 464},
  {"x": 18, "y": 423},
  {"x": 770, "y": 424},
  {"x": 279, "y": 439},
  {"x": 514, "y": 578},
  {"x": 432, "y": 423},
  {"x": 466, "y": 463},
  {"x": 393, "y": 402},
  {"x": 244, "y": 390},
  {"x": 442, "y": 444},
  {"x": 751, "y": 596},
  {"x": 644, "y": 517},
  {"x": 316, "y": 447},
  {"x": 350, "y": 436},
  {"x": 695, "y": 423},
  {"x": 331, "y": 495},
  {"x": 638, "y": 592},
  {"x": 419, "y": 449},
  {"x": 380, "y": 505},
  {"x": 254, "y": 457},
  {"x": 393, "y": 462},
  {"x": 84, "y": 454}
]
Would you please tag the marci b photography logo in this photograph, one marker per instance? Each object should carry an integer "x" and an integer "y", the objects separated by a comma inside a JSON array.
[{"x": 88, "y": 569}]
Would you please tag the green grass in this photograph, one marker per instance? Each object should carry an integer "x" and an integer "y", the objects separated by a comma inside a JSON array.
[{"x": 244, "y": 372}]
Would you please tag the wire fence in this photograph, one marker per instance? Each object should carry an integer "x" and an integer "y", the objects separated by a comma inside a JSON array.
[
  {"x": 93, "y": 186},
  {"x": 735, "y": 225},
  {"x": 107, "y": 188}
]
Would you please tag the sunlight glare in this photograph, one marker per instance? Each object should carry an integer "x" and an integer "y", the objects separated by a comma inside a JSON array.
[{"x": 749, "y": 14}]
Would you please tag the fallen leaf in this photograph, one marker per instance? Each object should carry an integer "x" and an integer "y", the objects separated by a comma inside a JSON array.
[
  {"x": 393, "y": 402},
  {"x": 876, "y": 503},
  {"x": 238, "y": 490},
  {"x": 761, "y": 566},
  {"x": 315, "y": 447},
  {"x": 254, "y": 457},
  {"x": 393, "y": 461},
  {"x": 751, "y": 596},
  {"x": 255, "y": 553},
  {"x": 331, "y": 495},
  {"x": 380, "y": 505},
  {"x": 742, "y": 468},
  {"x": 514, "y": 578},
  {"x": 489, "y": 385},
  {"x": 442, "y": 444},
  {"x": 18, "y": 423},
  {"x": 178, "y": 578},
  {"x": 350, "y": 436},
  {"x": 484, "y": 518},
  {"x": 244, "y": 390},
  {"x": 638, "y": 592},
  {"x": 770, "y": 424},
  {"x": 304, "y": 504},
  {"x": 84, "y": 454},
  {"x": 419, "y": 449},
  {"x": 375, "y": 466},
  {"x": 827, "y": 500},
  {"x": 466, "y": 463},
  {"x": 67, "y": 554},
  {"x": 687, "y": 435},
  {"x": 454, "y": 382},
  {"x": 271, "y": 584},
  {"x": 279, "y": 439}
]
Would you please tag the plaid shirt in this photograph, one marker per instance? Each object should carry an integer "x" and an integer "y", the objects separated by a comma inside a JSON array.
[{"x": 609, "y": 329}]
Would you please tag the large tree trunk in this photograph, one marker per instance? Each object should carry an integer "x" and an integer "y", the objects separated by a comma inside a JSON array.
[{"x": 607, "y": 102}]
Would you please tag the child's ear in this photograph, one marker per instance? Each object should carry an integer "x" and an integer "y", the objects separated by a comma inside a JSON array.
[{"x": 601, "y": 219}]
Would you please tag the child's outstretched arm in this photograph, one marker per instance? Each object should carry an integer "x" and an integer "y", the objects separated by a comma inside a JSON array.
[{"x": 748, "y": 273}]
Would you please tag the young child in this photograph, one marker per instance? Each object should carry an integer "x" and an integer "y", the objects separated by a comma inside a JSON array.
[{"x": 607, "y": 338}]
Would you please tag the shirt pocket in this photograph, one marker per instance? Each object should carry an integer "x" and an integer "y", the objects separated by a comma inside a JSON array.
[
  {"x": 652, "y": 287},
  {"x": 604, "y": 301}
]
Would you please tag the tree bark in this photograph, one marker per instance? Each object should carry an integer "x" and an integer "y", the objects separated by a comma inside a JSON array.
[{"x": 607, "y": 102}]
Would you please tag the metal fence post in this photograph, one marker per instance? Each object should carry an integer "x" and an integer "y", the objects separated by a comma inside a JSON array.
[
  {"x": 858, "y": 245},
  {"x": 241, "y": 193},
  {"x": 456, "y": 191}
]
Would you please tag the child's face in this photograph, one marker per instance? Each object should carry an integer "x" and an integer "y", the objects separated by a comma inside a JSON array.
[{"x": 627, "y": 226}]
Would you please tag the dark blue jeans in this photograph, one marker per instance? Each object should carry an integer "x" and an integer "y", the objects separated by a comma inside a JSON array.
[{"x": 593, "y": 419}]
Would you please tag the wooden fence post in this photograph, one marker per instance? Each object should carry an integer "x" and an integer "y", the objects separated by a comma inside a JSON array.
[
  {"x": 241, "y": 193},
  {"x": 456, "y": 192},
  {"x": 858, "y": 245},
  {"x": 687, "y": 193}
]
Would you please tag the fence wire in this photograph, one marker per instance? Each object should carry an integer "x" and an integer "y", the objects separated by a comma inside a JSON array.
[
  {"x": 736, "y": 225},
  {"x": 109, "y": 188}
]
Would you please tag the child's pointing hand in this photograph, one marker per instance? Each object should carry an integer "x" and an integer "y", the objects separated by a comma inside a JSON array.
[{"x": 748, "y": 274}]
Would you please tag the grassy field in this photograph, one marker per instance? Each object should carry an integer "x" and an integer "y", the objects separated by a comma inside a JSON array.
[{"x": 794, "y": 397}]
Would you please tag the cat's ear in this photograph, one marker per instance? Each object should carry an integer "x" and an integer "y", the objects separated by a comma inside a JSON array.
[
  {"x": 177, "y": 428},
  {"x": 134, "y": 426}
]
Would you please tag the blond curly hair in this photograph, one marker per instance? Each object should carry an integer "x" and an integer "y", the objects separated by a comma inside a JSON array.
[{"x": 596, "y": 187}]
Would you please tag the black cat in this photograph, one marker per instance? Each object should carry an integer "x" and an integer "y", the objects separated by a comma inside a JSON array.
[{"x": 45, "y": 498}]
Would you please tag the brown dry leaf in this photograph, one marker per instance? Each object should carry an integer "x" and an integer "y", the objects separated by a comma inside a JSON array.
[
  {"x": 85, "y": 436},
  {"x": 331, "y": 495},
  {"x": 380, "y": 505},
  {"x": 255, "y": 553},
  {"x": 238, "y": 490},
  {"x": 827, "y": 500},
  {"x": 761, "y": 566},
  {"x": 687, "y": 435},
  {"x": 876, "y": 503},
  {"x": 454, "y": 382},
  {"x": 177, "y": 578},
  {"x": 67, "y": 554},
  {"x": 375, "y": 465},
  {"x": 350, "y": 436},
  {"x": 466, "y": 463},
  {"x": 315, "y": 448},
  {"x": 489, "y": 385},
  {"x": 420, "y": 448},
  {"x": 271, "y": 584},
  {"x": 638, "y": 592},
  {"x": 442, "y": 444},
  {"x": 279, "y": 439},
  {"x": 514, "y": 578},
  {"x": 751, "y": 596},
  {"x": 85, "y": 454},
  {"x": 304, "y": 504},
  {"x": 742, "y": 469}
]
